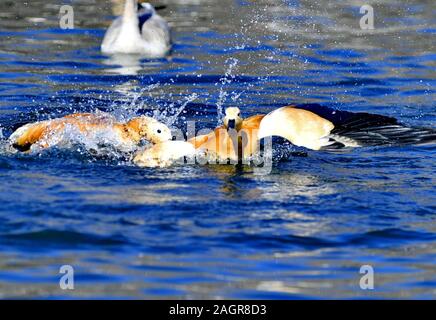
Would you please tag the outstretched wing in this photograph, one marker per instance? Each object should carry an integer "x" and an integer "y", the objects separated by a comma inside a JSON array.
[{"x": 365, "y": 129}]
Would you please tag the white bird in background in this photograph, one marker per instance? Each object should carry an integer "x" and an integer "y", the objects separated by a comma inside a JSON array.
[{"x": 140, "y": 30}]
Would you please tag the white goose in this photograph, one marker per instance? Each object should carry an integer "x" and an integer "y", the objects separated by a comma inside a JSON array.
[{"x": 140, "y": 30}]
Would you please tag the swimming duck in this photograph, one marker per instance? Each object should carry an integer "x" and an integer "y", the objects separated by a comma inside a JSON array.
[
  {"x": 312, "y": 126},
  {"x": 140, "y": 30},
  {"x": 124, "y": 136},
  {"x": 235, "y": 139}
]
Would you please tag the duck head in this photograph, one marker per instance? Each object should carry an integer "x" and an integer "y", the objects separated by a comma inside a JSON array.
[
  {"x": 232, "y": 119},
  {"x": 150, "y": 129}
]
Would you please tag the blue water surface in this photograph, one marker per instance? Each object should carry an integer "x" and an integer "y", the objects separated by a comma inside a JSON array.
[{"x": 220, "y": 231}]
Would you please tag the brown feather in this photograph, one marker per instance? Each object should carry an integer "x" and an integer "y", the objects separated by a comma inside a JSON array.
[{"x": 84, "y": 122}]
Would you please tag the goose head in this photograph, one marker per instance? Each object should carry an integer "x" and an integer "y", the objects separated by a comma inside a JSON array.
[{"x": 145, "y": 8}]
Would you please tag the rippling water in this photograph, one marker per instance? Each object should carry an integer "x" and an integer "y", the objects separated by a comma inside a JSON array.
[{"x": 219, "y": 231}]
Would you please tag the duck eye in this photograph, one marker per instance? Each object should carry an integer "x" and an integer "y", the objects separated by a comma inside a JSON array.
[
  {"x": 239, "y": 114},
  {"x": 159, "y": 131}
]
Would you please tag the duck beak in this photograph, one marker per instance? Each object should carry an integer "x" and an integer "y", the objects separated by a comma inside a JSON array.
[{"x": 231, "y": 124}]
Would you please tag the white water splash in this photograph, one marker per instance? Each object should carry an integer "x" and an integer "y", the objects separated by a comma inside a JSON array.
[
  {"x": 173, "y": 118},
  {"x": 236, "y": 95},
  {"x": 129, "y": 110},
  {"x": 102, "y": 142},
  {"x": 227, "y": 79}
]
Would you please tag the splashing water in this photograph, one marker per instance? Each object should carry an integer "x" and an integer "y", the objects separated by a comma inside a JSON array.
[
  {"x": 129, "y": 110},
  {"x": 103, "y": 142},
  {"x": 188, "y": 100},
  {"x": 97, "y": 144},
  {"x": 227, "y": 79},
  {"x": 3, "y": 142}
]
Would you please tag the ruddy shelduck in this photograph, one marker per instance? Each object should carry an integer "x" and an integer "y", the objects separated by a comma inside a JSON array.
[
  {"x": 124, "y": 136},
  {"x": 236, "y": 139},
  {"x": 311, "y": 126}
]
